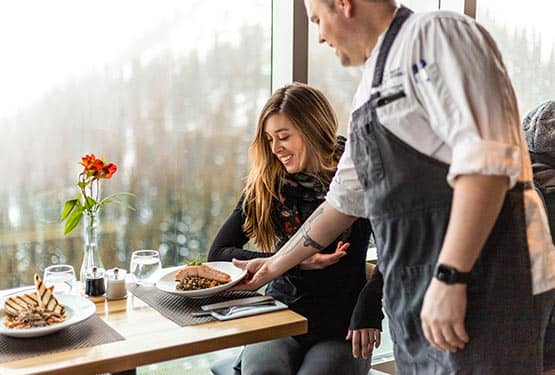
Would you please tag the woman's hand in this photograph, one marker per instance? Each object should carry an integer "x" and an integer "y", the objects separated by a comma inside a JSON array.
[
  {"x": 442, "y": 315},
  {"x": 364, "y": 341},
  {"x": 320, "y": 261}
]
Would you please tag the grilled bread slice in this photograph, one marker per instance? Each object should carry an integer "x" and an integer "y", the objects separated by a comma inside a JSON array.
[
  {"x": 41, "y": 297},
  {"x": 46, "y": 297},
  {"x": 15, "y": 304}
]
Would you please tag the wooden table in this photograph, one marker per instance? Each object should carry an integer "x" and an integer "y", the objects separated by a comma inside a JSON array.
[{"x": 151, "y": 338}]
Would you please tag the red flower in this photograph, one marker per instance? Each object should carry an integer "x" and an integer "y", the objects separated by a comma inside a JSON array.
[
  {"x": 88, "y": 162},
  {"x": 97, "y": 167},
  {"x": 88, "y": 202},
  {"x": 109, "y": 170}
]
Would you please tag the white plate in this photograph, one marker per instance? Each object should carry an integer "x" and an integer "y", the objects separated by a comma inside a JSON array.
[
  {"x": 77, "y": 309},
  {"x": 167, "y": 282}
]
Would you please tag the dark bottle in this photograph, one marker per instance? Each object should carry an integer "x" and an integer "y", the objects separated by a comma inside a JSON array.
[{"x": 94, "y": 283}]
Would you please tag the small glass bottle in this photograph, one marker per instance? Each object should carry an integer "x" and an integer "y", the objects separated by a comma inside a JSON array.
[
  {"x": 115, "y": 283},
  {"x": 94, "y": 282}
]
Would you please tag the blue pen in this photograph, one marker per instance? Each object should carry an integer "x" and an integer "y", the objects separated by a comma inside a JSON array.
[{"x": 418, "y": 69}]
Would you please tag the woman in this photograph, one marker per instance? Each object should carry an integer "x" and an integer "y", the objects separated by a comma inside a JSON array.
[{"x": 294, "y": 156}]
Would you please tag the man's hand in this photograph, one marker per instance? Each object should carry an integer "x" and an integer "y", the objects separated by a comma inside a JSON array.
[
  {"x": 364, "y": 340},
  {"x": 257, "y": 273},
  {"x": 477, "y": 201},
  {"x": 320, "y": 261},
  {"x": 442, "y": 315}
]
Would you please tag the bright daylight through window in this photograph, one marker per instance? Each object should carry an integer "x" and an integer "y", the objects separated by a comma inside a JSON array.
[
  {"x": 170, "y": 91},
  {"x": 525, "y": 36}
]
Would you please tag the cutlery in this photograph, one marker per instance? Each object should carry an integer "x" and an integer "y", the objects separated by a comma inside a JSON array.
[
  {"x": 237, "y": 302},
  {"x": 233, "y": 309}
]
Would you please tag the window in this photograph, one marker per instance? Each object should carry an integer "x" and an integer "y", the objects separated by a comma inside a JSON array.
[
  {"x": 170, "y": 91},
  {"x": 524, "y": 34}
]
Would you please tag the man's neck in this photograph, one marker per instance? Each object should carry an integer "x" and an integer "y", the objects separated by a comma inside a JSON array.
[{"x": 380, "y": 16}]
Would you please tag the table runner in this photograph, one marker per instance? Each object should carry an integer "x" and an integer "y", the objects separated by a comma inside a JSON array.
[
  {"x": 91, "y": 332},
  {"x": 178, "y": 308}
]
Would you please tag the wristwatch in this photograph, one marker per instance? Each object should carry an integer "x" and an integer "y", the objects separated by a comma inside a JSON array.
[{"x": 450, "y": 275}]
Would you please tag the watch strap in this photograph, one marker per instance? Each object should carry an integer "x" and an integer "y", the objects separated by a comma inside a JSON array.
[{"x": 450, "y": 275}]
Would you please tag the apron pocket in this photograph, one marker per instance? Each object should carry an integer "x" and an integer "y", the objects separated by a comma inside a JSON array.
[
  {"x": 365, "y": 151},
  {"x": 416, "y": 280},
  {"x": 380, "y": 102}
]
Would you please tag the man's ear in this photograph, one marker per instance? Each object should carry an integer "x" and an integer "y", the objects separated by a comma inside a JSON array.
[{"x": 345, "y": 7}]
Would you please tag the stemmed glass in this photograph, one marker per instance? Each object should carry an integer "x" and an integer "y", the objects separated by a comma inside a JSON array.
[
  {"x": 62, "y": 276},
  {"x": 144, "y": 265}
]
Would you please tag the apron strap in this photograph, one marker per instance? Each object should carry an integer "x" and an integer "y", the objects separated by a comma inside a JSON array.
[{"x": 403, "y": 13}]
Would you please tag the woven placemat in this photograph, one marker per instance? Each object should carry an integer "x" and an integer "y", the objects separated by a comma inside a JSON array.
[
  {"x": 178, "y": 308},
  {"x": 91, "y": 332}
]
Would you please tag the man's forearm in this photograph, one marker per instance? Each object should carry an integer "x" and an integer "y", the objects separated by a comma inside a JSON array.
[
  {"x": 318, "y": 231},
  {"x": 477, "y": 201}
]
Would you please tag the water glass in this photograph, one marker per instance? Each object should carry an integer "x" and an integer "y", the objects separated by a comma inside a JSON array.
[
  {"x": 144, "y": 265},
  {"x": 62, "y": 276}
]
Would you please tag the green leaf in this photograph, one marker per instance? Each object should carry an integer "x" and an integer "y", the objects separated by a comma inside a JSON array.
[
  {"x": 68, "y": 207},
  {"x": 109, "y": 199},
  {"x": 196, "y": 262},
  {"x": 90, "y": 203},
  {"x": 82, "y": 184},
  {"x": 121, "y": 203},
  {"x": 125, "y": 193},
  {"x": 73, "y": 221}
]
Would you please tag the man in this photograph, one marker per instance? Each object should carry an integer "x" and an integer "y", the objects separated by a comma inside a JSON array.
[
  {"x": 437, "y": 161},
  {"x": 539, "y": 128}
]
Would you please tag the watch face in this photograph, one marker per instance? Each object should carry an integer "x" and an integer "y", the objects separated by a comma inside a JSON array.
[
  {"x": 450, "y": 275},
  {"x": 445, "y": 274}
]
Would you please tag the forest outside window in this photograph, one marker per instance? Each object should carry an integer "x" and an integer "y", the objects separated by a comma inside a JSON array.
[{"x": 170, "y": 91}]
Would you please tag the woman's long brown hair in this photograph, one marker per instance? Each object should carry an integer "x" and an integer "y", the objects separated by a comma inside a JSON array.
[{"x": 311, "y": 113}]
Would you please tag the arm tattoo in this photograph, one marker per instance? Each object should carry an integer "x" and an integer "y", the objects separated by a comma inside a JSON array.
[
  {"x": 303, "y": 236},
  {"x": 308, "y": 241}
]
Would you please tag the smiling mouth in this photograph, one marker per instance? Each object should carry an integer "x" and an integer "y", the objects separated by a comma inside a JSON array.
[{"x": 285, "y": 159}]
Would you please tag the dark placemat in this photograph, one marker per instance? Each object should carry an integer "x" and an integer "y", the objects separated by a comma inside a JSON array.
[
  {"x": 179, "y": 308},
  {"x": 91, "y": 332}
]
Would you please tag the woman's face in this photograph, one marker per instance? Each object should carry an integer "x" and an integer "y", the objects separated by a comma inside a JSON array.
[{"x": 286, "y": 142}]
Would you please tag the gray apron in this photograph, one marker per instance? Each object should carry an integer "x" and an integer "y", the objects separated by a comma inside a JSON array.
[{"x": 409, "y": 202}]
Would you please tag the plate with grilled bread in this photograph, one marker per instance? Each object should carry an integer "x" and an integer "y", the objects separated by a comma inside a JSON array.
[
  {"x": 200, "y": 279},
  {"x": 39, "y": 312}
]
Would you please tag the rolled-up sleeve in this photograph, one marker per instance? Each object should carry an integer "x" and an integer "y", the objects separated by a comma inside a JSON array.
[
  {"x": 464, "y": 86},
  {"x": 346, "y": 193}
]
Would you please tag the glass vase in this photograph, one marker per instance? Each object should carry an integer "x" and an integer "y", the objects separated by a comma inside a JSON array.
[{"x": 91, "y": 255}]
